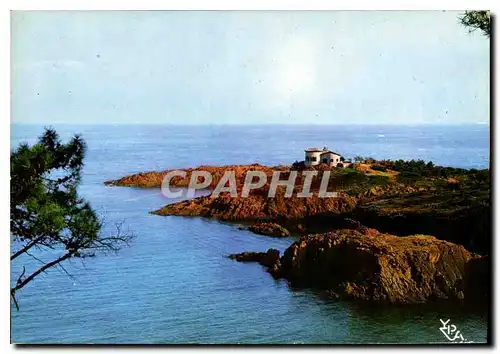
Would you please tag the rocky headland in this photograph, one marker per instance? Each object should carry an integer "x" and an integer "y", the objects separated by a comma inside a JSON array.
[
  {"x": 352, "y": 245},
  {"x": 364, "y": 264},
  {"x": 397, "y": 197},
  {"x": 154, "y": 179}
]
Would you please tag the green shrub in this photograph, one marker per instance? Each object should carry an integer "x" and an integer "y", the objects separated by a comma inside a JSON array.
[
  {"x": 409, "y": 176},
  {"x": 379, "y": 168}
]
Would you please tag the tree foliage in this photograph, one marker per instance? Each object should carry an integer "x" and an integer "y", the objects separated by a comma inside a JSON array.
[
  {"x": 475, "y": 20},
  {"x": 46, "y": 211},
  {"x": 418, "y": 169}
]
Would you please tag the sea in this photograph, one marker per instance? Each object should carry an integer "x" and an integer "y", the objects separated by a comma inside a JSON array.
[{"x": 175, "y": 285}]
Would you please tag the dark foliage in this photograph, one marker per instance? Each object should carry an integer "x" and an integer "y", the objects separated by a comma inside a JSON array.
[
  {"x": 379, "y": 168},
  {"x": 475, "y": 20},
  {"x": 46, "y": 211},
  {"x": 418, "y": 169}
]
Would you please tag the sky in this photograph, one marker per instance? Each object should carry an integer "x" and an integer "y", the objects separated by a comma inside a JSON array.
[{"x": 247, "y": 67}]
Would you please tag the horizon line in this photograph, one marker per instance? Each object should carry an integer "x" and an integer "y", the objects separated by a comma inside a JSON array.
[{"x": 256, "y": 124}]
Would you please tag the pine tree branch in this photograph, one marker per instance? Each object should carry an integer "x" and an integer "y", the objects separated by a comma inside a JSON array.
[
  {"x": 26, "y": 248},
  {"x": 22, "y": 282}
]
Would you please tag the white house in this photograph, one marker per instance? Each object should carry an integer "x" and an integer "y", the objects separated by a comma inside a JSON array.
[{"x": 316, "y": 156}]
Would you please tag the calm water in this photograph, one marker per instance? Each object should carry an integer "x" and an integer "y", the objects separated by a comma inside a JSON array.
[{"x": 175, "y": 285}]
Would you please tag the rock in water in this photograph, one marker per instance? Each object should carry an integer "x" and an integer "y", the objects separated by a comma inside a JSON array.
[
  {"x": 368, "y": 265},
  {"x": 269, "y": 229},
  {"x": 267, "y": 259}
]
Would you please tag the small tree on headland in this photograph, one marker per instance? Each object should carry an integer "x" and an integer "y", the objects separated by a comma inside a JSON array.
[
  {"x": 474, "y": 20},
  {"x": 46, "y": 212}
]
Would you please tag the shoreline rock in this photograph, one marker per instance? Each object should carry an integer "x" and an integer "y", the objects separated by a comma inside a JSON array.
[
  {"x": 364, "y": 264},
  {"x": 269, "y": 229},
  {"x": 256, "y": 207},
  {"x": 267, "y": 259}
]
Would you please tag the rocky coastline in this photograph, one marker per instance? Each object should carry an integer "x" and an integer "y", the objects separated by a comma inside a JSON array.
[
  {"x": 364, "y": 264},
  {"x": 373, "y": 241}
]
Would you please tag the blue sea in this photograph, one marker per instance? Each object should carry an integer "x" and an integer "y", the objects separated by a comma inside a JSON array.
[{"x": 174, "y": 284}]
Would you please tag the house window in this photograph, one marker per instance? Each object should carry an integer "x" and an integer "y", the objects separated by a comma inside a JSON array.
[
  {"x": 307, "y": 158},
  {"x": 325, "y": 160},
  {"x": 313, "y": 158}
]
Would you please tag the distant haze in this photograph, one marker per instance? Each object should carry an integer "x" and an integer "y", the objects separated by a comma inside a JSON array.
[{"x": 280, "y": 67}]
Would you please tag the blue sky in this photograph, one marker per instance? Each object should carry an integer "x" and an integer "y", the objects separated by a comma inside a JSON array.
[{"x": 278, "y": 67}]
